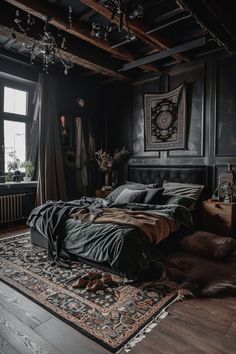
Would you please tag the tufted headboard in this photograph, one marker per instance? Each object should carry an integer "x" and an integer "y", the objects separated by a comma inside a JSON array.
[{"x": 183, "y": 174}]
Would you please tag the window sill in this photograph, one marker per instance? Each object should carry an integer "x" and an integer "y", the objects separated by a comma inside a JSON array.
[{"x": 18, "y": 185}]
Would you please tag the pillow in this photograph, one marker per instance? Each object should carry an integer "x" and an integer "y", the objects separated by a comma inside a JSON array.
[
  {"x": 153, "y": 195},
  {"x": 117, "y": 191},
  {"x": 208, "y": 244},
  {"x": 187, "y": 202},
  {"x": 130, "y": 196},
  {"x": 149, "y": 185},
  {"x": 184, "y": 189}
]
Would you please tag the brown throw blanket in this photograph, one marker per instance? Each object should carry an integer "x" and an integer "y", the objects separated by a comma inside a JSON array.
[{"x": 155, "y": 226}]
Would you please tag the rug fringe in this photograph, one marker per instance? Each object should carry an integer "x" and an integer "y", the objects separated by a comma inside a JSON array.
[{"x": 149, "y": 327}]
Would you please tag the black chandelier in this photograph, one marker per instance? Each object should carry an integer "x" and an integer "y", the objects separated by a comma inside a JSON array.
[
  {"x": 125, "y": 10},
  {"x": 47, "y": 46}
]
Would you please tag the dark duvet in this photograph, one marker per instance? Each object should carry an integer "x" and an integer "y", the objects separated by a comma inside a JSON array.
[{"x": 125, "y": 249}]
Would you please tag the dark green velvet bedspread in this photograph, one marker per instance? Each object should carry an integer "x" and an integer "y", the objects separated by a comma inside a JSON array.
[{"x": 126, "y": 249}]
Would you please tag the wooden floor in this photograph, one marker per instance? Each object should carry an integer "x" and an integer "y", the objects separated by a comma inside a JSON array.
[
  {"x": 11, "y": 230},
  {"x": 192, "y": 326}
]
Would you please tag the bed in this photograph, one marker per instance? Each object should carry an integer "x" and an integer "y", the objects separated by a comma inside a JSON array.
[{"x": 123, "y": 246}]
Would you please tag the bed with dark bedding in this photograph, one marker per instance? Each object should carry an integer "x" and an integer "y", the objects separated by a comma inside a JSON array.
[{"x": 129, "y": 229}]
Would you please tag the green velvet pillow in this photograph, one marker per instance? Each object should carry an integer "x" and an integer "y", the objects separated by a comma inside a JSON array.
[
  {"x": 130, "y": 196},
  {"x": 183, "y": 189},
  {"x": 153, "y": 195},
  {"x": 117, "y": 191}
]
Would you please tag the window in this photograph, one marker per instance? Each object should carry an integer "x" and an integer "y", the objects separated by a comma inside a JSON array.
[
  {"x": 14, "y": 142},
  {"x": 15, "y": 101},
  {"x": 16, "y": 110}
]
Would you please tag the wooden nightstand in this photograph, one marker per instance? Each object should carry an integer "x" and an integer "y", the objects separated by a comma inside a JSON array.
[
  {"x": 219, "y": 218},
  {"x": 102, "y": 194}
]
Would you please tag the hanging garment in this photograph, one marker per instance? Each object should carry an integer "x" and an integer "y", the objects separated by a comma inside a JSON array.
[{"x": 81, "y": 158}]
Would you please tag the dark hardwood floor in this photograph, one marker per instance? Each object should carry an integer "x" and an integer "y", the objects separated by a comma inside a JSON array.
[
  {"x": 13, "y": 229},
  {"x": 192, "y": 326}
]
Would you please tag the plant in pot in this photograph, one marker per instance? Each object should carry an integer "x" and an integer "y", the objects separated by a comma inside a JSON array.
[
  {"x": 29, "y": 170},
  {"x": 13, "y": 167}
]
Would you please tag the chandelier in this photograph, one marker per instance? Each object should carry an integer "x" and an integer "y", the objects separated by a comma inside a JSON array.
[
  {"x": 125, "y": 11},
  {"x": 47, "y": 46}
]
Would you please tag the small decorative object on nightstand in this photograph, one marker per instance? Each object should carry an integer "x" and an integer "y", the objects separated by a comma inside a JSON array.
[
  {"x": 102, "y": 193},
  {"x": 107, "y": 162},
  {"x": 226, "y": 186},
  {"x": 219, "y": 217}
]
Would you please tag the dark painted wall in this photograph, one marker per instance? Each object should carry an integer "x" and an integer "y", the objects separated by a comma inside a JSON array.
[
  {"x": 69, "y": 89},
  {"x": 16, "y": 68},
  {"x": 117, "y": 101},
  {"x": 117, "y": 114},
  {"x": 211, "y": 114}
]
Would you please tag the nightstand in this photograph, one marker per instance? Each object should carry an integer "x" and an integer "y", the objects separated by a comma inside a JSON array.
[
  {"x": 102, "y": 194},
  {"x": 219, "y": 217}
]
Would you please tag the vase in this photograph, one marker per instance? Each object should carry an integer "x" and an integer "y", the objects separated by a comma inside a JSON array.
[
  {"x": 114, "y": 179},
  {"x": 107, "y": 178},
  {"x": 27, "y": 178},
  {"x": 16, "y": 176}
]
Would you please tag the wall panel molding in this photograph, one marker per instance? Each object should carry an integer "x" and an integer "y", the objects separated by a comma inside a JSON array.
[
  {"x": 210, "y": 78},
  {"x": 225, "y": 108},
  {"x": 189, "y": 75}
]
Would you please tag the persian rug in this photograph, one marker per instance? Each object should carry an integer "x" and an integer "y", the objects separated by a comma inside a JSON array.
[{"x": 113, "y": 317}]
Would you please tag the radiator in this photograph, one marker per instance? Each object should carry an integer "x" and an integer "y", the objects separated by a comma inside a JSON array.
[{"x": 11, "y": 208}]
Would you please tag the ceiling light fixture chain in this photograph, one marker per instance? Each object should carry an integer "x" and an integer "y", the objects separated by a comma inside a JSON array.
[
  {"x": 47, "y": 46},
  {"x": 125, "y": 10}
]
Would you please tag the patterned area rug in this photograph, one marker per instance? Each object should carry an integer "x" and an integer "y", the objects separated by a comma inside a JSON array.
[{"x": 111, "y": 317}]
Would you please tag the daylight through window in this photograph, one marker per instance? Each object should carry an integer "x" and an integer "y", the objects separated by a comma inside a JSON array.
[{"x": 15, "y": 101}]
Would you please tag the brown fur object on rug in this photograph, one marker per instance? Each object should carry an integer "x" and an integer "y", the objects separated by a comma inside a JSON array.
[{"x": 200, "y": 276}]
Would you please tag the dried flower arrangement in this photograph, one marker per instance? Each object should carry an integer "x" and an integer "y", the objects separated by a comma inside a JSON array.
[{"x": 106, "y": 161}]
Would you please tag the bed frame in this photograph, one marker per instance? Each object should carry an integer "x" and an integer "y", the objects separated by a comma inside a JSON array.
[
  {"x": 155, "y": 174},
  {"x": 183, "y": 174}
]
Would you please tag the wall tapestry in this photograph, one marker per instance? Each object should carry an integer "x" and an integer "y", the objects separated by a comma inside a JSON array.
[{"x": 165, "y": 120}]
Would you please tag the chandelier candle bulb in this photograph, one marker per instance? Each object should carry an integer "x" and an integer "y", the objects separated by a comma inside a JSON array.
[
  {"x": 125, "y": 11},
  {"x": 47, "y": 46}
]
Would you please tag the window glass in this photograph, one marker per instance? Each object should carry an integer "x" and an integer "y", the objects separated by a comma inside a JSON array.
[
  {"x": 15, "y": 101},
  {"x": 14, "y": 145}
]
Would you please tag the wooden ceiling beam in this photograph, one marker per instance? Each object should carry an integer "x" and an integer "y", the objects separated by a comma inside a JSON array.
[
  {"x": 206, "y": 17},
  {"x": 38, "y": 8},
  {"x": 136, "y": 26},
  {"x": 85, "y": 15},
  {"x": 166, "y": 53},
  {"x": 79, "y": 60}
]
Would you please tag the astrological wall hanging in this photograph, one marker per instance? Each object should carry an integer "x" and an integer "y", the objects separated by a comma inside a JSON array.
[{"x": 165, "y": 120}]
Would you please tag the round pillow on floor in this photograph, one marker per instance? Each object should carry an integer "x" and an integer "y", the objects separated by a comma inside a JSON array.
[{"x": 208, "y": 244}]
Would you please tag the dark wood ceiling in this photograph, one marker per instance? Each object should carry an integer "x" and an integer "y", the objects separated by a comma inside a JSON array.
[{"x": 170, "y": 32}]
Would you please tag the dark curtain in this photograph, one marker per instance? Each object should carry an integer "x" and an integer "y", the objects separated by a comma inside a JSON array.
[
  {"x": 51, "y": 182},
  {"x": 32, "y": 152}
]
